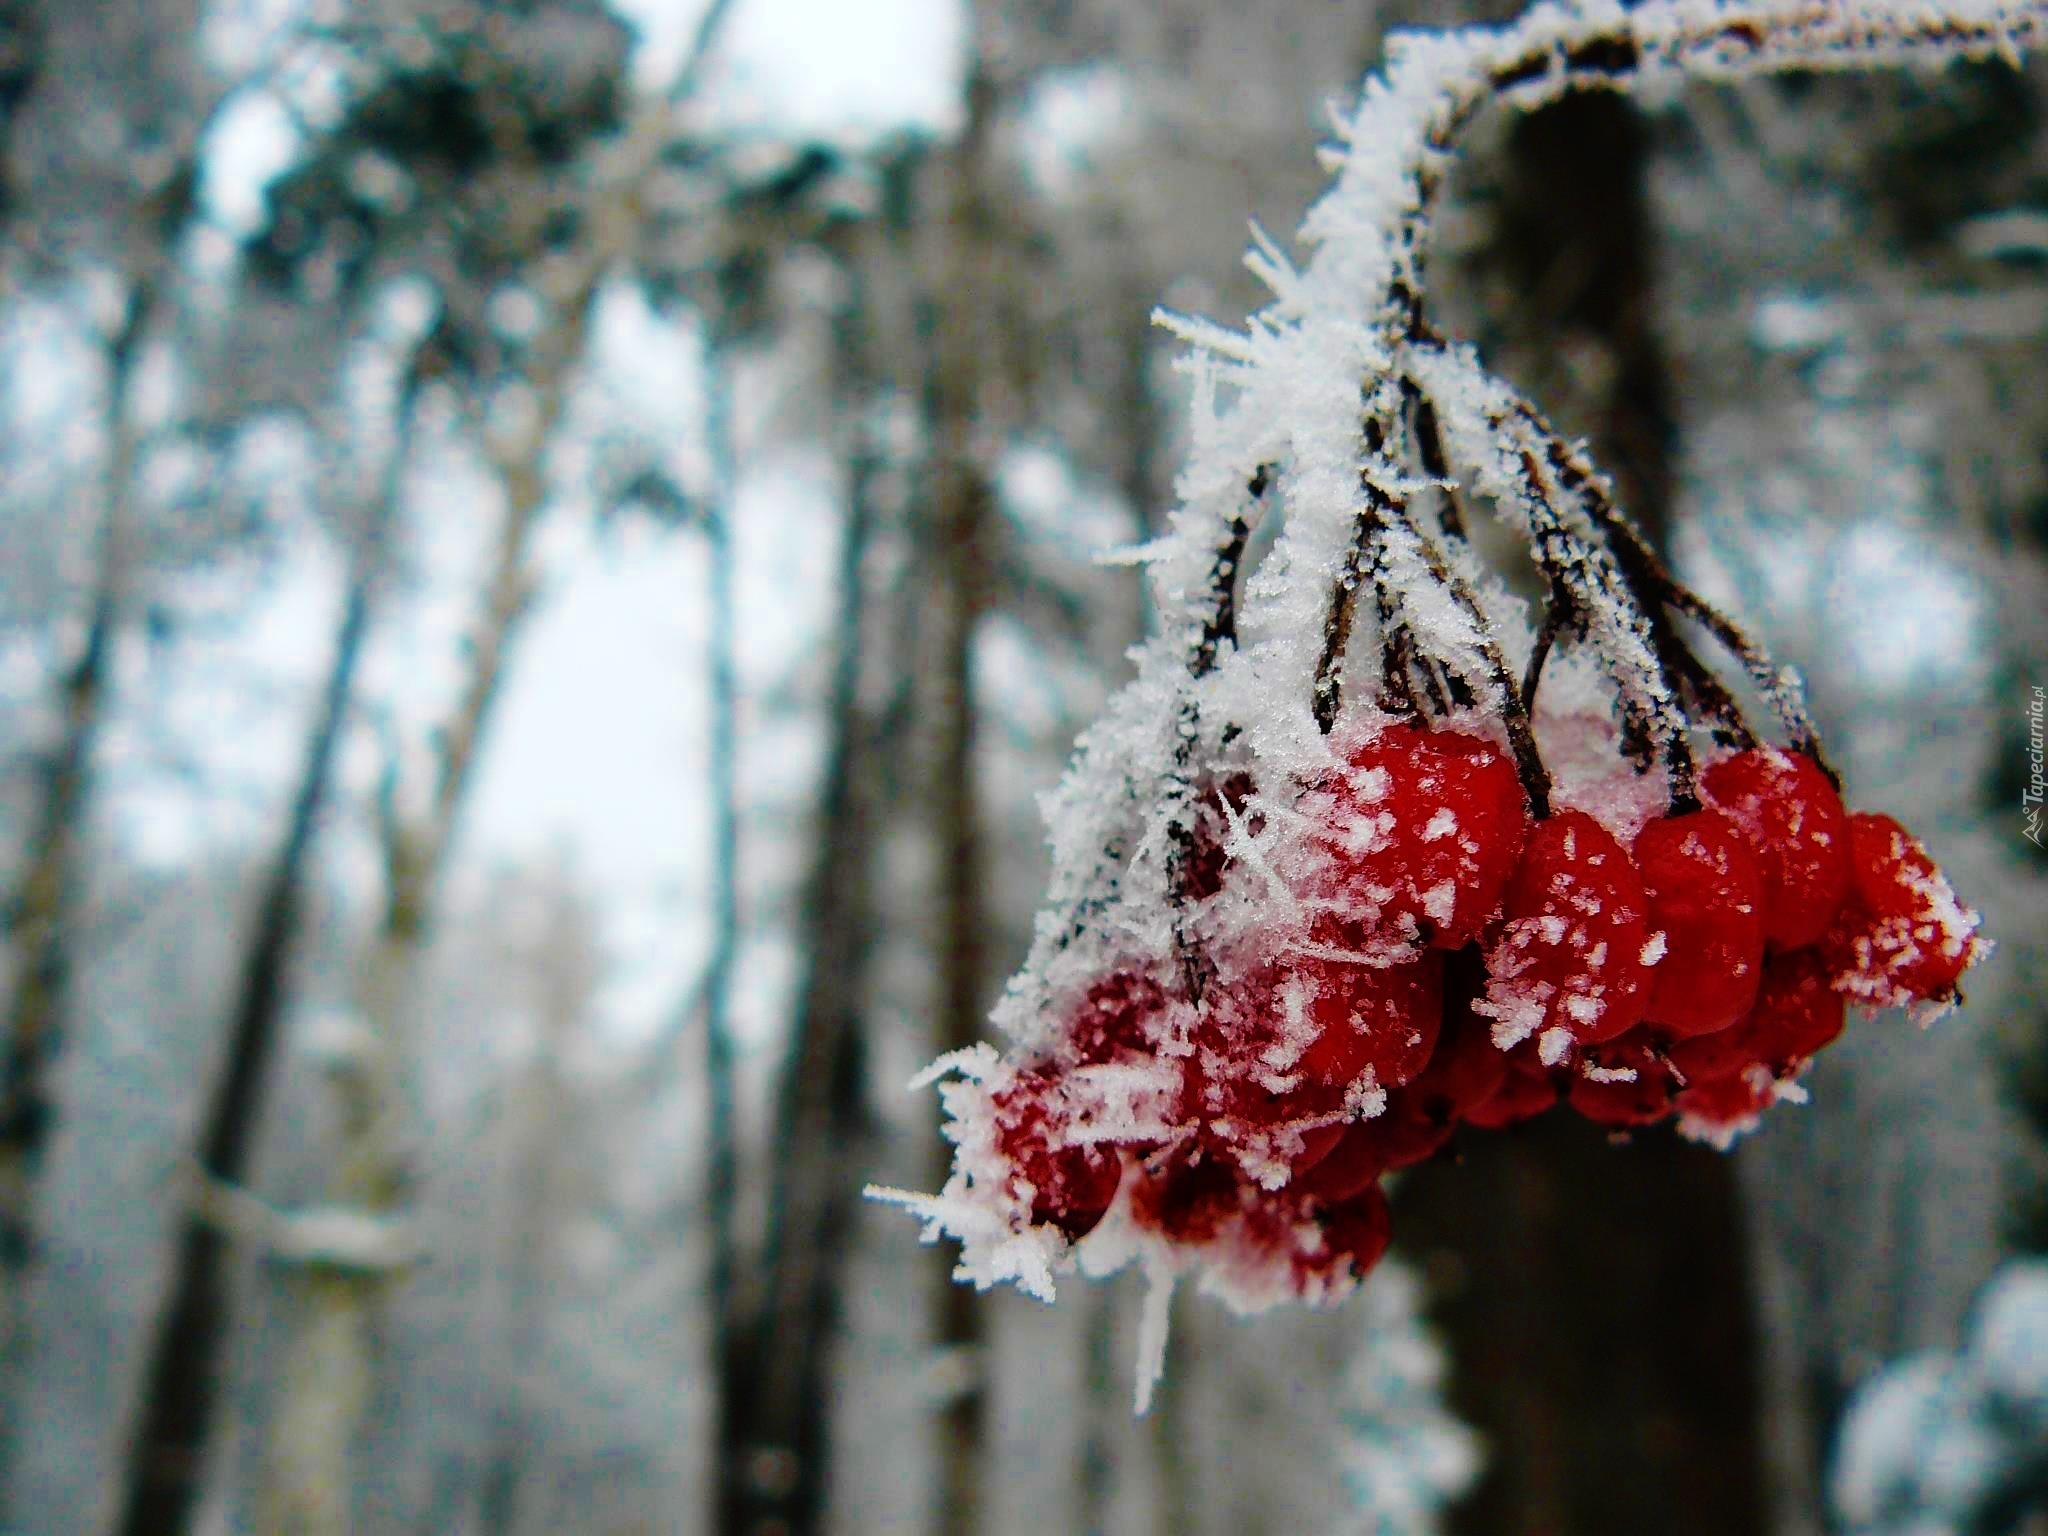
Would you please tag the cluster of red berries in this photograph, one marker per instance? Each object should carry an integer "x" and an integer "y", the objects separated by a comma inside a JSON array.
[{"x": 1430, "y": 957}]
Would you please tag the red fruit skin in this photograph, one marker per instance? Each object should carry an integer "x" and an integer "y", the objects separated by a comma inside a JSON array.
[
  {"x": 1241, "y": 1118},
  {"x": 1355, "y": 1231},
  {"x": 1902, "y": 937},
  {"x": 1727, "y": 1105},
  {"x": 1798, "y": 1012},
  {"x": 1569, "y": 951},
  {"x": 1398, "y": 1137},
  {"x": 1644, "y": 1100},
  {"x": 1526, "y": 1091},
  {"x": 1798, "y": 829},
  {"x": 1466, "y": 1068},
  {"x": 1379, "y": 1017},
  {"x": 1111, "y": 1022},
  {"x": 1424, "y": 828},
  {"x": 1191, "y": 1197},
  {"x": 1070, "y": 1186},
  {"x": 1707, "y": 901},
  {"x": 1723, "y": 1054}
]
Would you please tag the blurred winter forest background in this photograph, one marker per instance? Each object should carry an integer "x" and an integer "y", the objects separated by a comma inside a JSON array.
[{"x": 545, "y": 551}]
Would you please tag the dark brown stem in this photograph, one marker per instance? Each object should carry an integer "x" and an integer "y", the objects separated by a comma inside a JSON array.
[
  {"x": 1343, "y": 603},
  {"x": 1654, "y": 580},
  {"x": 1529, "y": 765}
]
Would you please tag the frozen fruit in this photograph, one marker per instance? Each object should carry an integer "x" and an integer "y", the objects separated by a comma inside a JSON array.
[
  {"x": 1381, "y": 1019},
  {"x": 1624, "y": 1082},
  {"x": 1114, "y": 1017},
  {"x": 1799, "y": 831},
  {"x": 1527, "y": 1089},
  {"x": 1398, "y": 1137},
  {"x": 1068, "y": 1186},
  {"x": 1797, "y": 1012},
  {"x": 1572, "y": 959},
  {"x": 1466, "y": 1067},
  {"x": 1355, "y": 1233},
  {"x": 1706, "y": 900},
  {"x": 1421, "y": 830},
  {"x": 1902, "y": 937}
]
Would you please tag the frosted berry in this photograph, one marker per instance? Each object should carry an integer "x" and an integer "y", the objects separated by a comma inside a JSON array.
[
  {"x": 1236, "y": 1114},
  {"x": 1400, "y": 1136},
  {"x": 1725, "y": 1053},
  {"x": 1355, "y": 1233},
  {"x": 1466, "y": 1068},
  {"x": 1797, "y": 827},
  {"x": 1797, "y": 1012},
  {"x": 1572, "y": 954},
  {"x": 1723, "y": 1109},
  {"x": 1366, "y": 1017},
  {"x": 1423, "y": 829},
  {"x": 1190, "y": 1197},
  {"x": 1068, "y": 1186},
  {"x": 1624, "y": 1083},
  {"x": 1707, "y": 901},
  {"x": 1902, "y": 937},
  {"x": 1526, "y": 1091},
  {"x": 1113, "y": 1019}
]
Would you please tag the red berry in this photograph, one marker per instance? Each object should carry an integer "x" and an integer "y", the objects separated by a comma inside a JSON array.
[
  {"x": 1423, "y": 829},
  {"x": 1365, "y": 1017},
  {"x": 1724, "y": 1108},
  {"x": 1466, "y": 1068},
  {"x": 1902, "y": 937},
  {"x": 1191, "y": 1197},
  {"x": 1525, "y": 1092},
  {"x": 1799, "y": 831},
  {"x": 1113, "y": 1018},
  {"x": 1707, "y": 901},
  {"x": 1069, "y": 1186},
  {"x": 1797, "y": 1011},
  {"x": 1724, "y": 1053},
  {"x": 1236, "y": 1114},
  {"x": 1400, "y": 1136},
  {"x": 1623, "y": 1083},
  {"x": 1355, "y": 1235},
  {"x": 1570, "y": 954}
]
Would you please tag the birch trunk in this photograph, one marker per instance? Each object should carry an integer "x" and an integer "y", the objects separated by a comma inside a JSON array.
[{"x": 326, "y": 1380}]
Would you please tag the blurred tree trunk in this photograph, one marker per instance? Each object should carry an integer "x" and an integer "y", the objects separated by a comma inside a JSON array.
[
  {"x": 722, "y": 1156},
  {"x": 774, "y": 1334},
  {"x": 1597, "y": 1303},
  {"x": 41, "y": 911},
  {"x": 329, "y": 1371},
  {"x": 181, "y": 1380},
  {"x": 967, "y": 395}
]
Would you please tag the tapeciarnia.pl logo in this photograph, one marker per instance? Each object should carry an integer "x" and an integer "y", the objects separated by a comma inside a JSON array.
[{"x": 2030, "y": 797}]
